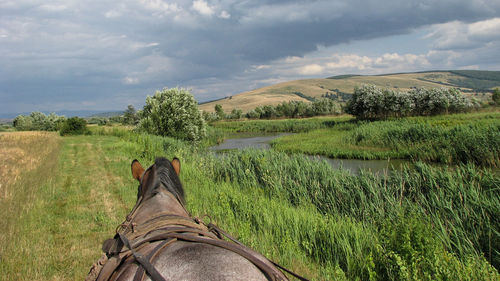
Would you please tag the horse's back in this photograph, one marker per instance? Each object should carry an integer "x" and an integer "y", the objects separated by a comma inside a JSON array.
[{"x": 198, "y": 261}]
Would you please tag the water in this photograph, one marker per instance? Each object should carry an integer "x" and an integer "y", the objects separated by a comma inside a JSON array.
[
  {"x": 245, "y": 140},
  {"x": 356, "y": 165}
]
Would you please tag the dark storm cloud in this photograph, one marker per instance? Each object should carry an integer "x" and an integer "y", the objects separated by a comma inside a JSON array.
[{"x": 107, "y": 54}]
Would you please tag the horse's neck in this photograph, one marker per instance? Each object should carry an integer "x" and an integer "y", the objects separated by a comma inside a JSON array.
[{"x": 162, "y": 203}]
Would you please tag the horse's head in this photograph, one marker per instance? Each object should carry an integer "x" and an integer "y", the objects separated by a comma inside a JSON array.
[{"x": 162, "y": 174}]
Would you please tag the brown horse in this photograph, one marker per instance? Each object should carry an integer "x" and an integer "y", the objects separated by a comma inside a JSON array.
[{"x": 161, "y": 241}]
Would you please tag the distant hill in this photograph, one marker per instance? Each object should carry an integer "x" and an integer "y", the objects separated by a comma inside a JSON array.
[
  {"x": 106, "y": 114},
  {"x": 67, "y": 113},
  {"x": 473, "y": 82}
]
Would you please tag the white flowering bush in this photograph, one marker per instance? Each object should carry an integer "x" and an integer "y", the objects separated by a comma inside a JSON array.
[
  {"x": 174, "y": 113},
  {"x": 370, "y": 102},
  {"x": 37, "y": 121}
]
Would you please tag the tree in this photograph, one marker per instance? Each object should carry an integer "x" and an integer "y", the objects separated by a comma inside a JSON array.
[
  {"x": 23, "y": 123},
  {"x": 74, "y": 126},
  {"x": 236, "y": 113},
  {"x": 174, "y": 113},
  {"x": 496, "y": 96},
  {"x": 40, "y": 121},
  {"x": 130, "y": 116},
  {"x": 55, "y": 121},
  {"x": 220, "y": 112}
]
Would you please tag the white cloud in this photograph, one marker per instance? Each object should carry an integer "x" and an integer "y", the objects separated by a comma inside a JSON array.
[
  {"x": 130, "y": 80},
  {"x": 485, "y": 30},
  {"x": 160, "y": 7},
  {"x": 460, "y": 35},
  {"x": 224, "y": 15},
  {"x": 203, "y": 8},
  {"x": 348, "y": 61},
  {"x": 310, "y": 69},
  {"x": 322, "y": 66},
  {"x": 53, "y": 7},
  {"x": 112, "y": 14}
]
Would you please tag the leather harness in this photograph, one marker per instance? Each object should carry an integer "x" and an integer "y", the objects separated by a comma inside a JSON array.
[{"x": 142, "y": 243}]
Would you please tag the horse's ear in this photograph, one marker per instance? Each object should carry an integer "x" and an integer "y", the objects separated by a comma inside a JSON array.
[
  {"x": 177, "y": 165},
  {"x": 137, "y": 170}
]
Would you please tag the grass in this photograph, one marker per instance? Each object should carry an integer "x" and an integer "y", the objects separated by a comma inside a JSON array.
[
  {"x": 27, "y": 159},
  {"x": 280, "y": 125},
  {"x": 367, "y": 208},
  {"x": 424, "y": 224},
  {"x": 460, "y": 138}
]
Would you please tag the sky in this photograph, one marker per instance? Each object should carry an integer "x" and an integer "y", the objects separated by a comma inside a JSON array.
[{"x": 104, "y": 55}]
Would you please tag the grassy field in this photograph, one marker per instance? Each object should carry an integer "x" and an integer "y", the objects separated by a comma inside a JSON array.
[{"x": 427, "y": 223}]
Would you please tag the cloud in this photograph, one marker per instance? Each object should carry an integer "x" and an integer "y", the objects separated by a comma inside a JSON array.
[
  {"x": 61, "y": 52},
  {"x": 202, "y": 7},
  {"x": 224, "y": 15},
  {"x": 461, "y": 35},
  {"x": 310, "y": 69},
  {"x": 130, "y": 80},
  {"x": 311, "y": 66}
]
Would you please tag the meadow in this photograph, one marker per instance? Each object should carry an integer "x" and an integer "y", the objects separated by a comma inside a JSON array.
[{"x": 422, "y": 223}]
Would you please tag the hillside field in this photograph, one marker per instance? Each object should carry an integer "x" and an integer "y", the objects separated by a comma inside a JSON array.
[{"x": 474, "y": 83}]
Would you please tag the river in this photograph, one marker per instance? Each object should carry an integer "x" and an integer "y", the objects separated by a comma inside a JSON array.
[{"x": 246, "y": 140}]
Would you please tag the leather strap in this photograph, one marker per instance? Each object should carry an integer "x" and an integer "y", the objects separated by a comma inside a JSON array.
[
  {"x": 150, "y": 269},
  {"x": 139, "y": 274}
]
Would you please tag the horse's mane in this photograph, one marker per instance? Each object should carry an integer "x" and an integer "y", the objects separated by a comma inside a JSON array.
[{"x": 166, "y": 176}]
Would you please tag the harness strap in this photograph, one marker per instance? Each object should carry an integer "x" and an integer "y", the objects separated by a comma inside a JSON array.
[
  {"x": 150, "y": 269},
  {"x": 139, "y": 274}
]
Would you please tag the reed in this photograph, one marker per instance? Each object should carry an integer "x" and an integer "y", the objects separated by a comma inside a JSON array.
[{"x": 462, "y": 138}]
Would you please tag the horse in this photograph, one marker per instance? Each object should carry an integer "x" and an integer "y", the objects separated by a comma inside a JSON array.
[{"x": 160, "y": 240}]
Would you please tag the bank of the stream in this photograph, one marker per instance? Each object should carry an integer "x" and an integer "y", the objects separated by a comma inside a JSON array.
[
  {"x": 450, "y": 139},
  {"x": 239, "y": 141}
]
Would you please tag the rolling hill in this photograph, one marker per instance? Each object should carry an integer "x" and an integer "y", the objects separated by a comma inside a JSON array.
[{"x": 472, "y": 82}]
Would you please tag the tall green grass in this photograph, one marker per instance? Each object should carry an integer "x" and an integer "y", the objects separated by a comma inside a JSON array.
[
  {"x": 462, "y": 138},
  {"x": 426, "y": 223},
  {"x": 280, "y": 125},
  {"x": 461, "y": 203}
]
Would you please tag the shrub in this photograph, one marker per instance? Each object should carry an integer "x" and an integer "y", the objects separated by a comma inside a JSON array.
[
  {"x": 236, "y": 113},
  {"x": 37, "y": 121},
  {"x": 174, "y": 113},
  {"x": 496, "y": 96},
  {"x": 74, "y": 126},
  {"x": 219, "y": 112},
  {"x": 130, "y": 116},
  {"x": 23, "y": 123},
  {"x": 370, "y": 102}
]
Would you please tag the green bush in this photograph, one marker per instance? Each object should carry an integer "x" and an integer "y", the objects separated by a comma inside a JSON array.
[
  {"x": 74, "y": 126},
  {"x": 496, "y": 96},
  {"x": 371, "y": 102},
  {"x": 174, "y": 113},
  {"x": 37, "y": 121}
]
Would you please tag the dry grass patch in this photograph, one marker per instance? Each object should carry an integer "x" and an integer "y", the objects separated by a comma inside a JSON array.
[{"x": 22, "y": 152}]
